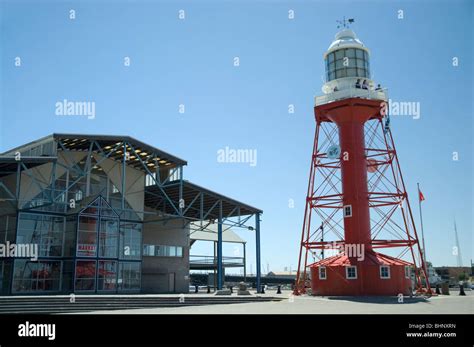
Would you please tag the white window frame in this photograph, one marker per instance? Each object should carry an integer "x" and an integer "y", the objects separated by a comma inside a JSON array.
[
  {"x": 344, "y": 211},
  {"x": 347, "y": 272},
  {"x": 325, "y": 273},
  {"x": 407, "y": 271},
  {"x": 380, "y": 272}
]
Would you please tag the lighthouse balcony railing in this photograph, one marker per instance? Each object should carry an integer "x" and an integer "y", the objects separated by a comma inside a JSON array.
[{"x": 353, "y": 92}]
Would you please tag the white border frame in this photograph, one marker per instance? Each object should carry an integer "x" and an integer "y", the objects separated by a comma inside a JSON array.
[
  {"x": 347, "y": 272},
  {"x": 380, "y": 272},
  {"x": 344, "y": 211},
  {"x": 407, "y": 271},
  {"x": 325, "y": 273}
]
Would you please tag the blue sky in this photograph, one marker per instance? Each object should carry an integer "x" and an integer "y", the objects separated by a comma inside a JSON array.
[{"x": 190, "y": 62}]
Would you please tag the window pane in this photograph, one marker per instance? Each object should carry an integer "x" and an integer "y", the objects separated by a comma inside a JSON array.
[
  {"x": 85, "y": 275},
  {"x": 109, "y": 225},
  {"x": 108, "y": 245},
  {"x": 107, "y": 276},
  {"x": 361, "y": 73},
  {"x": 350, "y": 53},
  {"x": 359, "y": 53},
  {"x": 149, "y": 250},
  {"x": 339, "y": 54},
  {"x": 330, "y": 57},
  {"x": 351, "y": 272},
  {"x": 339, "y": 64},
  {"x": 130, "y": 240},
  {"x": 87, "y": 236},
  {"x": 108, "y": 238},
  {"x": 351, "y": 62},
  {"x": 351, "y": 72}
]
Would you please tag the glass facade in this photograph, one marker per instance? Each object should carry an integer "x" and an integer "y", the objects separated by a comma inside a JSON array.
[
  {"x": 91, "y": 251},
  {"x": 105, "y": 240},
  {"x": 73, "y": 185},
  {"x": 89, "y": 237},
  {"x": 347, "y": 62}
]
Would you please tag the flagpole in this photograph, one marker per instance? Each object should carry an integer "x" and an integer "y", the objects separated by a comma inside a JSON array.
[{"x": 422, "y": 232}]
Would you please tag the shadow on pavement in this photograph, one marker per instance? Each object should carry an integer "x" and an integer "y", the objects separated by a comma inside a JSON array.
[{"x": 380, "y": 299}]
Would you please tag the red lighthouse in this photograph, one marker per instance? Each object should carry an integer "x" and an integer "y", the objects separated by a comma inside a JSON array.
[{"x": 356, "y": 201}]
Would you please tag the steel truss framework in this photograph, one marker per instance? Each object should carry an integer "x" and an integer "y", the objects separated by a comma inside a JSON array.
[
  {"x": 391, "y": 218},
  {"x": 167, "y": 193}
]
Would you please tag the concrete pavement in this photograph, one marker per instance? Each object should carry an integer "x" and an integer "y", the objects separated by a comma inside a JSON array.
[{"x": 452, "y": 304}]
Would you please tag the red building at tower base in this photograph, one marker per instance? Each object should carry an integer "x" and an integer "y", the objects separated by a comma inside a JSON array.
[{"x": 369, "y": 279}]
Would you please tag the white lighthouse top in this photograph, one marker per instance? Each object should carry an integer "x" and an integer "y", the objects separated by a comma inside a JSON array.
[
  {"x": 347, "y": 71},
  {"x": 345, "y": 39}
]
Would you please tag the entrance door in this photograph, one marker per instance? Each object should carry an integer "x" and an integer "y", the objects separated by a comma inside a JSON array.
[{"x": 171, "y": 282}]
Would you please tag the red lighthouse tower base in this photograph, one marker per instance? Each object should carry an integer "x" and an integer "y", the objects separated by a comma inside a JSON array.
[
  {"x": 359, "y": 200},
  {"x": 368, "y": 281}
]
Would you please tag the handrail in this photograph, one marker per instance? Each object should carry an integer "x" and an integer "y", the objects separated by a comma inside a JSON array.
[{"x": 203, "y": 259}]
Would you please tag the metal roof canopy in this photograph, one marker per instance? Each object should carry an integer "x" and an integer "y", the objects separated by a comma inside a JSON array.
[
  {"x": 210, "y": 234},
  {"x": 9, "y": 165},
  {"x": 230, "y": 207},
  {"x": 81, "y": 142}
]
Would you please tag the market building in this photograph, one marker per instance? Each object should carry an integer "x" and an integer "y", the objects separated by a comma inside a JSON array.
[{"x": 107, "y": 214}]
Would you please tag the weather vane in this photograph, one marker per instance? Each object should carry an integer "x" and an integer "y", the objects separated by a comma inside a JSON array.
[{"x": 344, "y": 23}]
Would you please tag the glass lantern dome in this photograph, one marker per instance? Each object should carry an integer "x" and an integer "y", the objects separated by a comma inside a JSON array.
[{"x": 346, "y": 57}]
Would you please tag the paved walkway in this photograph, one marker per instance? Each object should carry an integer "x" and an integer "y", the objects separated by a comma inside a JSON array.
[{"x": 442, "y": 304}]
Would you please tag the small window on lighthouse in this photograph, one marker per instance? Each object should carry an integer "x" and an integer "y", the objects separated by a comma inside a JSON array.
[
  {"x": 322, "y": 273},
  {"x": 351, "y": 272},
  {"x": 347, "y": 211},
  {"x": 384, "y": 271}
]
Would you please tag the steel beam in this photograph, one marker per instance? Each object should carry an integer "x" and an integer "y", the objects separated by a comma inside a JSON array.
[
  {"x": 257, "y": 249},
  {"x": 219, "y": 249}
]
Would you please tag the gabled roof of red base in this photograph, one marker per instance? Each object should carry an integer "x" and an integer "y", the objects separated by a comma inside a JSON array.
[{"x": 371, "y": 258}]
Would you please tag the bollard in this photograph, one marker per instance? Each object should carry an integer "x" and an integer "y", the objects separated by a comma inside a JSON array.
[
  {"x": 263, "y": 289},
  {"x": 279, "y": 290},
  {"x": 437, "y": 289},
  {"x": 196, "y": 289},
  {"x": 208, "y": 289},
  {"x": 461, "y": 290}
]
